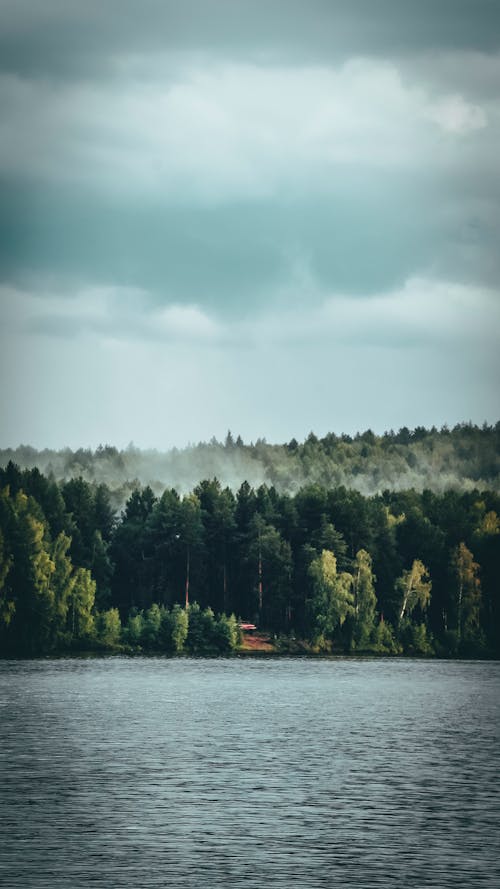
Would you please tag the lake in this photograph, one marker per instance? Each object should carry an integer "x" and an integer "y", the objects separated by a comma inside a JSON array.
[{"x": 249, "y": 773}]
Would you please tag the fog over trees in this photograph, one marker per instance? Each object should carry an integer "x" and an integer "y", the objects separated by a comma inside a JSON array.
[
  {"x": 323, "y": 568},
  {"x": 463, "y": 458}
]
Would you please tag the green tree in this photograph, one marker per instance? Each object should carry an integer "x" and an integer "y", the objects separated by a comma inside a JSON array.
[
  {"x": 486, "y": 543},
  {"x": 31, "y": 578},
  {"x": 191, "y": 537},
  {"x": 365, "y": 601},
  {"x": 271, "y": 558},
  {"x": 384, "y": 640},
  {"x": 131, "y": 552},
  {"x": 62, "y": 582},
  {"x": 151, "y": 626},
  {"x": 102, "y": 570},
  {"x": 217, "y": 512},
  {"x": 468, "y": 597},
  {"x": 332, "y": 598},
  {"x": 109, "y": 628},
  {"x": 133, "y": 630},
  {"x": 7, "y": 604},
  {"x": 81, "y": 603},
  {"x": 227, "y": 634},
  {"x": 414, "y": 588},
  {"x": 418, "y": 641},
  {"x": 179, "y": 628},
  {"x": 201, "y": 638}
]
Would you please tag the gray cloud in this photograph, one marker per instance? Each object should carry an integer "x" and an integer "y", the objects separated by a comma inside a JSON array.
[
  {"x": 73, "y": 38},
  {"x": 412, "y": 356},
  {"x": 220, "y": 215}
]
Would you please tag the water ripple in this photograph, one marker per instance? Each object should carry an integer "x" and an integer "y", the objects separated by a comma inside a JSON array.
[{"x": 191, "y": 773}]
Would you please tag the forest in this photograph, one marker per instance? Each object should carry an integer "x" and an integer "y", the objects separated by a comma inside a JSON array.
[
  {"x": 325, "y": 569},
  {"x": 463, "y": 458}
]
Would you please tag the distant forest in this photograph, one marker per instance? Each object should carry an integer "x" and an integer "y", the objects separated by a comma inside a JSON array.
[
  {"x": 464, "y": 458},
  {"x": 323, "y": 569}
]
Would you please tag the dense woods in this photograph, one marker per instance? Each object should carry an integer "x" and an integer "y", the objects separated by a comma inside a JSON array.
[
  {"x": 323, "y": 569},
  {"x": 463, "y": 458}
]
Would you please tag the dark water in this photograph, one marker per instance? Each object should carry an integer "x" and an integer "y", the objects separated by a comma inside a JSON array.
[{"x": 275, "y": 773}]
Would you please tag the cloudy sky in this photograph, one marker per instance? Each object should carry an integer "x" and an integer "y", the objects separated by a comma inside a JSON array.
[{"x": 265, "y": 215}]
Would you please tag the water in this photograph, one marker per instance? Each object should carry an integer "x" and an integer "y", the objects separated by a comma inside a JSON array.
[{"x": 254, "y": 773}]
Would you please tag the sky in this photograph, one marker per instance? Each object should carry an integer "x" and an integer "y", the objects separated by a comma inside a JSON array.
[{"x": 269, "y": 216}]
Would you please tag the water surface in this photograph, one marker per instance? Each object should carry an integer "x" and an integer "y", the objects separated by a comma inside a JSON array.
[{"x": 252, "y": 773}]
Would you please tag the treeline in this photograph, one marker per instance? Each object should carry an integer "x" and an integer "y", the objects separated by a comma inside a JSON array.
[
  {"x": 322, "y": 569},
  {"x": 463, "y": 458}
]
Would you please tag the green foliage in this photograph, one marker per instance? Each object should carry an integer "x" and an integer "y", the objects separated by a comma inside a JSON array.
[
  {"x": 332, "y": 598},
  {"x": 133, "y": 630},
  {"x": 326, "y": 564},
  {"x": 365, "y": 600},
  {"x": 108, "y": 628},
  {"x": 383, "y": 640},
  {"x": 471, "y": 638},
  {"x": 201, "y": 631},
  {"x": 81, "y": 605},
  {"x": 421, "y": 643},
  {"x": 464, "y": 457},
  {"x": 152, "y": 620},
  {"x": 63, "y": 583},
  {"x": 415, "y": 639},
  {"x": 271, "y": 559},
  {"x": 227, "y": 634},
  {"x": 414, "y": 588},
  {"x": 179, "y": 625},
  {"x": 7, "y": 605}
]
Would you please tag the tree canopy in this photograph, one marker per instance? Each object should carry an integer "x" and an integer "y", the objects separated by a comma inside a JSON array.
[{"x": 398, "y": 571}]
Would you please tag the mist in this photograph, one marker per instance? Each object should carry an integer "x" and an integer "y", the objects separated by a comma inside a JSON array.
[{"x": 462, "y": 459}]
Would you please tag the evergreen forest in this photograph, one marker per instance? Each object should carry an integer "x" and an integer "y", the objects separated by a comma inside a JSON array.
[
  {"x": 464, "y": 458},
  {"x": 324, "y": 569}
]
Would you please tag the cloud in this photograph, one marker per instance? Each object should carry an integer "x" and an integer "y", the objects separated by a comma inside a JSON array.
[
  {"x": 163, "y": 376},
  {"x": 274, "y": 222},
  {"x": 454, "y": 115},
  {"x": 103, "y": 312},
  {"x": 74, "y": 39},
  {"x": 422, "y": 312},
  {"x": 227, "y": 131}
]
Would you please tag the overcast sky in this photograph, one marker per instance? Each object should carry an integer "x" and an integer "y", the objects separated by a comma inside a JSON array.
[{"x": 265, "y": 215}]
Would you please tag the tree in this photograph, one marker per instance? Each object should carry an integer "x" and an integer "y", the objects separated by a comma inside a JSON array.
[
  {"x": 7, "y": 604},
  {"x": 365, "y": 601},
  {"x": 131, "y": 552},
  {"x": 191, "y": 536},
  {"x": 79, "y": 499},
  {"x": 132, "y": 632},
  {"x": 414, "y": 588},
  {"x": 109, "y": 627},
  {"x": 164, "y": 548},
  {"x": 327, "y": 537},
  {"x": 63, "y": 582},
  {"x": 179, "y": 622},
  {"x": 151, "y": 626},
  {"x": 102, "y": 570},
  {"x": 486, "y": 543},
  {"x": 217, "y": 513},
  {"x": 332, "y": 598},
  {"x": 468, "y": 597},
  {"x": 271, "y": 558},
  {"x": 200, "y": 637},
  {"x": 383, "y": 639},
  {"x": 81, "y": 604},
  {"x": 227, "y": 634},
  {"x": 31, "y": 577}
]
